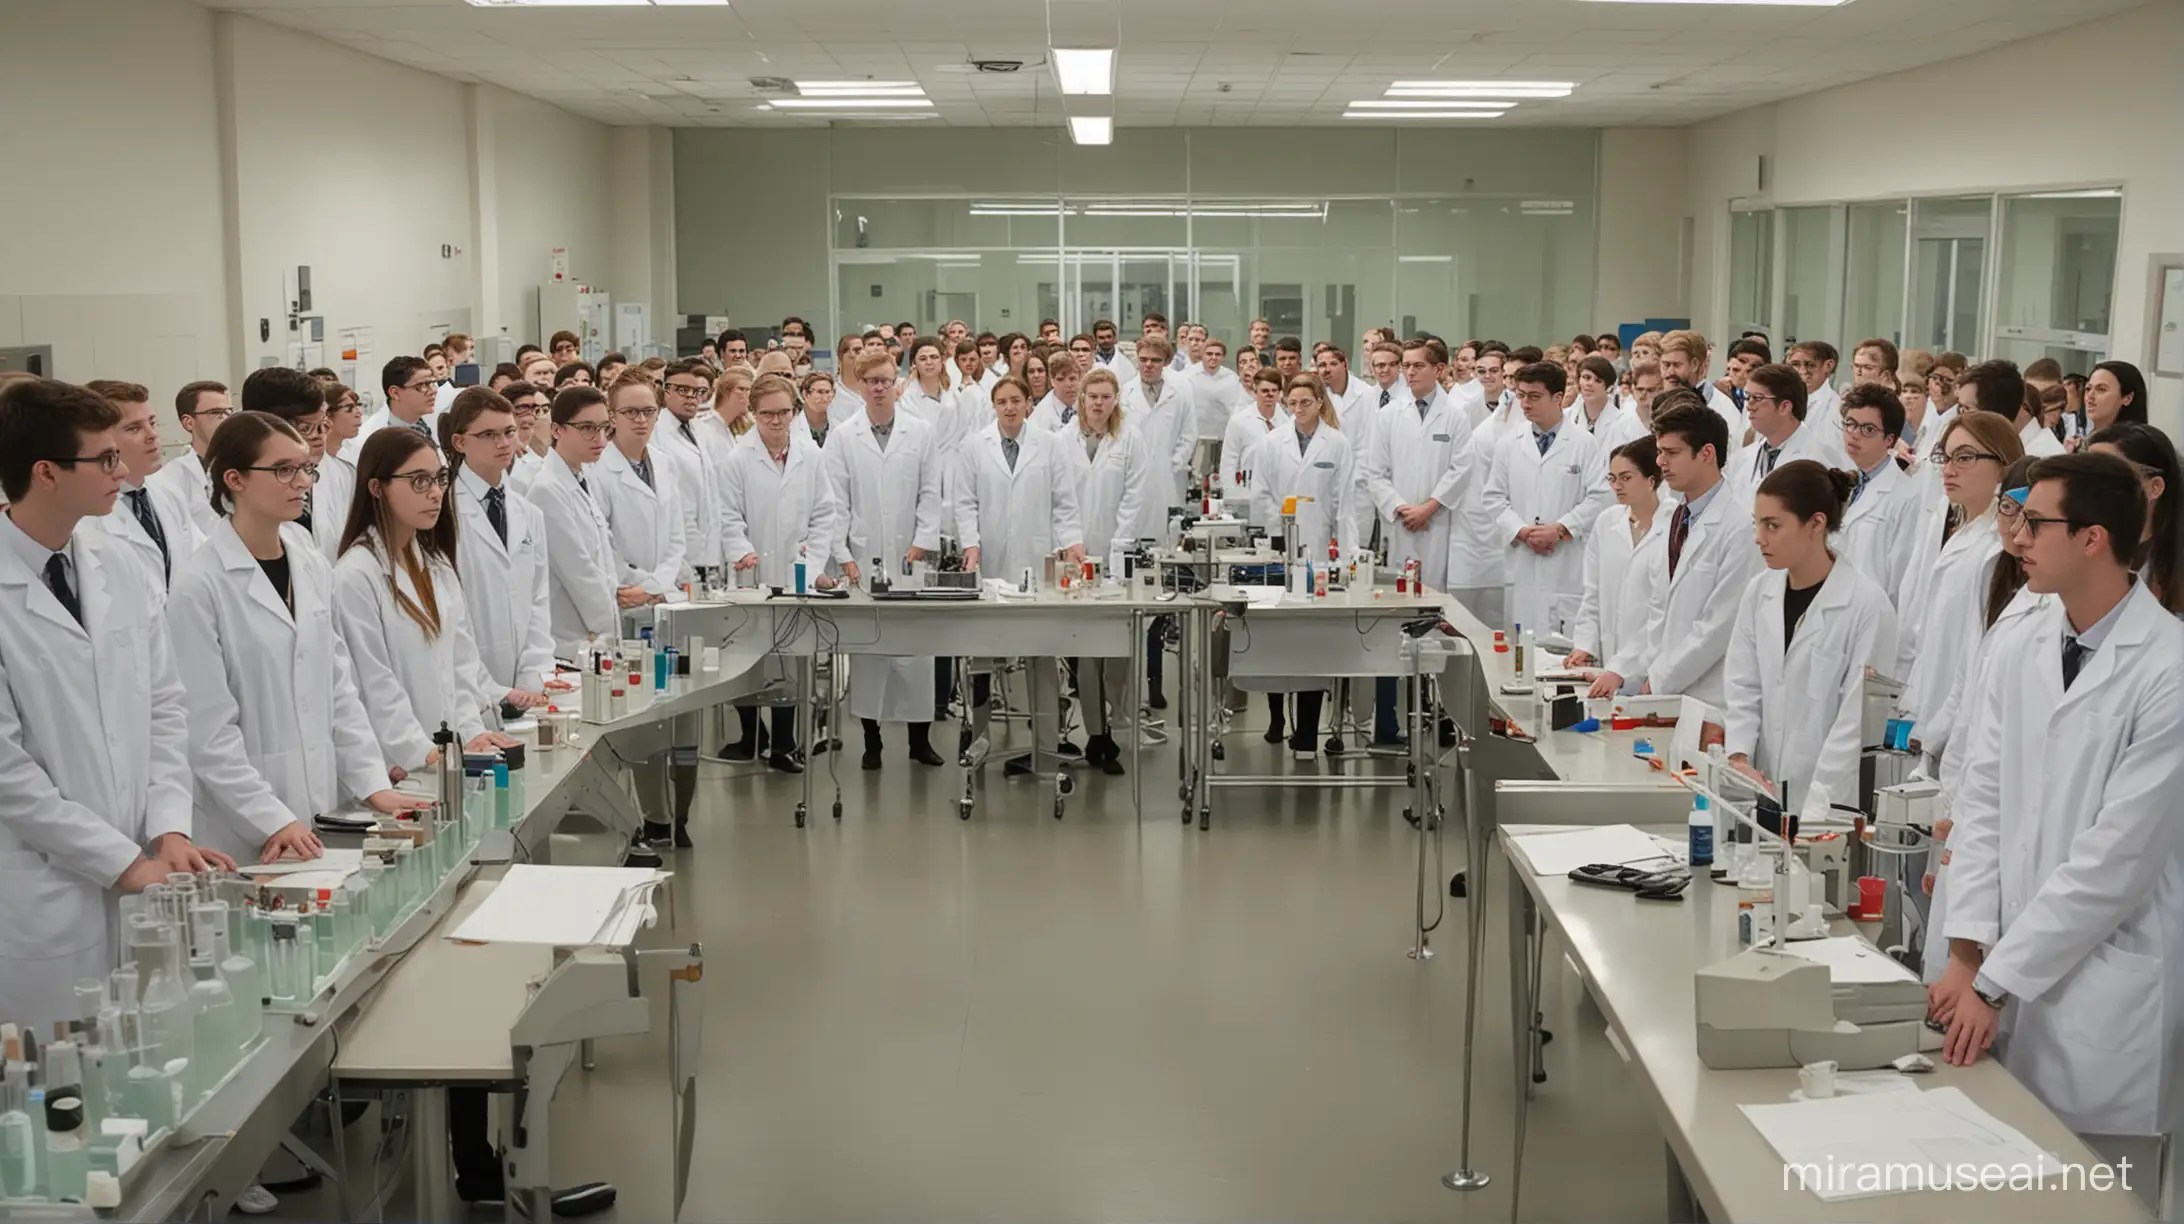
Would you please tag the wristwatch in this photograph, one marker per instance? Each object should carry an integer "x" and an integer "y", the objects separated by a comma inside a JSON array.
[{"x": 1995, "y": 1000}]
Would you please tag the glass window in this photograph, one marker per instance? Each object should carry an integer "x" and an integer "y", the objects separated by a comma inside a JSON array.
[
  {"x": 1812, "y": 255},
  {"x": 1515, "y": 269},
  {"x": 2056, "y": 277},
  {"x": 1948, "y": 272},
  {"x": 1751, "y": 271},
  {"x": 1873, "y": 273}
]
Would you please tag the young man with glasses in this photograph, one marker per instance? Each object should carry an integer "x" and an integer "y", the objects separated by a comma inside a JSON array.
[
  {"x": 693, "y": 456},
  {"x": 2064, "y": 872},
  {"x": 148, "y": 518},
  {"x": 586, "y": 593},
  {"x": 411, "y": 393},
  {"x": 1880, "y": 525},
  {"x": 301, "y": 401},
  {"x": 94, "y": 730},
  {"x": 534, "y": 435},
  {"x": 200, "y": 407},
  {"x": 1775, "y": 404}
]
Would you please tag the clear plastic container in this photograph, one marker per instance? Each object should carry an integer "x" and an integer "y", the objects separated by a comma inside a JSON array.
[
  {"x": 217, "y": 1047},
  {"x": 282, "y": 972},
  {"x": 326, "y": 934}
]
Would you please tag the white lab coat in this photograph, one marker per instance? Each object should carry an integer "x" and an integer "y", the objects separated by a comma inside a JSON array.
[
  {"x": 1799, "y": 712},
  {"x": 410, "y": 683},
  {"x": 695, "y": 461},
  {"x": 1015, "y": 518},
  {"x": 174, "y": 520},
  {"x": 507, "y": 590},
  {"x": 1931, "y": 428},
  {"x": 1477, "y": 553},
  {"x": 2040, "y": 441},
  {"x": 581, "y": 565},
  {"x": 1325, "y": 470},
  {"x": 182, "y": 478},
  {"x": 1727, "y": 410},
  {"x": 525, "y": 473},
  {"x": 1215, "y": 397},
  {"x": 1165, "y": 425},
  {"x": 646, "y": 523},
  {"x": 1824, "y": 417},
  {"x": 94, "y": 765},
  {"x": 1469, "y": 398},
  {"x": 1114, "y": 486},
  {"x": 385, "y": 419},
  {"x": 1625, "y": 429},
  {"x": 2064, "y": 861},
  {"x": 887, "y": 501},
  {"x": 330, "y": 498},
  {"x": 1947, "y": 598},
  {"x": 1049, "y": 415},
  {"x": 278, "y": 732},
  {"x": 1604, "y": 431},
  {"x": 1415, "y": 459},
  {"x": 1611, "y": 616},
  {"x": 1695, "y": 610},
  {"x": 1240, "y": 441},
  {"x": 1357, "y": 415},
  {"x": 1744, "y": 471},
  {"x": 1879, "y": 532},
  {"x": 779, "y": 511},
  {"x": 1567, "y": 486}
]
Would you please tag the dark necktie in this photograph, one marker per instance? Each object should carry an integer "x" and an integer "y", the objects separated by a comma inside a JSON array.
[
  {"x": 1736, "y": 396},
  {"x": 2073, "y": 655},
  {"x": 1545, "y": 440},
  {"x": 1008, "y": 451},
  {"x": 643, "y": 468},
  {"x": 423, "y": 430},
  {"x": 1857, "y": 491},
  {"x": 1424, "y": 406},
  {"x": 1679, "y": 527},
  {"x": 496, "y": 513},
  {"x": 1068, "y": 414},
  {"x": 1386, "y": 394},
  {"x": 303, "y": 520},
  {"x": 686, "y": 432},
  {"x": 583, "y": 486},
  {"x": 1767, "y": 457},
  {"x": 56, "y": 576},
  {"x": 140, "y": 504}
]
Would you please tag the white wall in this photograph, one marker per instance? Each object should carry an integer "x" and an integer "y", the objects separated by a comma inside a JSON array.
[
  {"x": 111, "y": 250},
  {"x": 1643, "y": 269},
  {"x": 2093, "y": 104},
  {"x": 197, "y": 156}
]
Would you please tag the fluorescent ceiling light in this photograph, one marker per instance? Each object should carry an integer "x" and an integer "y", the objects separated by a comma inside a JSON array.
[
  {"x": 1386, "y": 115},
  {"x": 866, "y": 89},
  {"x": 1775, "y": 3},
  {"x": 2091, "y": 193},
  {"x": 1425, "y": 258},
  {"x": 688, "y": 3},
  {"x": 1083, "y": 71},
  {"x": 1495, "y": 107},
  {"x": 1503, "y": 89},
  {"x": 1092, "y": 129},
  {"x": 849, "y": 103},
  {"x": 561, "y": 3},
  {"x": 1024, "y": 209}
]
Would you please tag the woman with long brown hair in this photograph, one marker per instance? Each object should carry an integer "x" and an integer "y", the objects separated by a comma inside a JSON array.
[{"x": 399, "y": 604}]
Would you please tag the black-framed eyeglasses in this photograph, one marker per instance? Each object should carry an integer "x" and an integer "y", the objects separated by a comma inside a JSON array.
[
  {"x": 686, "y": 390},
  {"x": 638, "y": 414},
  {"x": 590, "y": 429},
  {"x": 2032, "y": 523},
  {"x": 507, "y": 433},
  {"x": 1962, "y": 458},
  {"x": 432, "y": 384},
  {"x": 108, "y": 462},
  {"x": 2008, "y": 509},
  {"x": 425, "y": 482},
  {"x": 286, "y": 473},
  {"x": 309, "y": 431},
  {"x": 774, "y": 414},
  {"x": 1861, "y": 429}
]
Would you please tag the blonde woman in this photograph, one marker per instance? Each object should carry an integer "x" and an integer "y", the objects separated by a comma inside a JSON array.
[
  {"x": 1114, "y": 466},
  {"x": 1305, "y": 457},
  {"x": 730, "y": 418}
]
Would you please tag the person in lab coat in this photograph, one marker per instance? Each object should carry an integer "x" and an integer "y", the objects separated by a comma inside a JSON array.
[
  {"x": 2068, "y": 914},
  {"x": 94, "y": 726},
  {"x": 585, "y": 593},
  {"x": 638, "y": 494},
  {"x": 337, "y": 476},
  {"x": 1421, "y": 466},
  {"x": 1216, "y": 392},
  {"x": 1624, "y": 559},
  {"x": 1783, "y": 426},
  {"x": 816, "y": 394},
  {"x": 1065, "y": 377},
  {"x": 1815, "y": 364},
  {"x": 1016, "y": 504},
  {"x": 1311, "y": 460},
  {"x": 1117, "y": 469},
  {"x": 1468, "y": 393},
  {"x": 1952, "y": 559},
  {"x": 1247, "y": 427},
  {"x": 692, "y": 459},
  {"x": 885, "y": 467},
  {"x": 2039, "y": 440},
  {"x": 2115, "y": 392},
  {"x": 2160, "y": 559},
  {"x": 200, "y": 407},
  {"x": 533, "y": 407},
  {"x": 1880, "y": 526},
  {"x": 1158, "y": 407},
  {"x": 1709, "y": 555},
  {"x": 411, "y": 393},
  {"x": 1544, "y": 486},
  {"x": 1684, "y": 356},
  {"x": 1596, "y": 411},
  {"x": 399, "y": 605},
  {"x": 1478, "y": 554},
  {"x": 1357, "y": 406},
  {"x": 1807, "y": 631},
  {"x": 502, "y": 564},
  {"x": 778, "y": 507},
  {"x": 277, "y": 730},
  {"x": 148, "y": 517}
]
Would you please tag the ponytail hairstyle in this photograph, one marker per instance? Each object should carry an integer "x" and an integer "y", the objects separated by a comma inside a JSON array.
[
  {"x": 1644, "y": 454},
  {"x": 1807, "y": 488},
  {"x": 385, "y": 453},
  {"x": 1318, "y": 388},
  {"x": 469, "y": 405}
]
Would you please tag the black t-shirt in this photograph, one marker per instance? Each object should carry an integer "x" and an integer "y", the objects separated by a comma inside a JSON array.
[
  {"x": 276, "y": 572},
  {"x": 1794, "y": 603}
]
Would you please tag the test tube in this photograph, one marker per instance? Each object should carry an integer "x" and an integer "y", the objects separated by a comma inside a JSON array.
[
  {"x": 306, "y": 953},
  {"x": 326, "y": 935},
  {"x": 371, "y": 883},
  {"x": 281, "y": 975},
  {"x": 507, "y": 783}
]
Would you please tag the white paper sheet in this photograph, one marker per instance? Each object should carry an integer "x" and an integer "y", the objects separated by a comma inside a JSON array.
[
  {"x": 564, "y": 907},
  {"x": 1866, "y": 1145},
  {"x": 1850, "y": 960},
  {"x": 1866, "y": 1083},
  {"x": 1558, "y": 853},
  {"x": 330, "y": 870}
]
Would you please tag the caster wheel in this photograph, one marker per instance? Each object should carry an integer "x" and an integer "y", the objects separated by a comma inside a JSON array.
[
  {"x": 1456, "y": 885},
  {"x": 1539, "y": 1077},
  {"x": 1186, "y": 814},
  {"x": 1410, "y": 818},
  {"x": 1183, "y": 792},
  {"x": 837, "y": 809},
  {"x": 1410, "y": 775},
  {"x": 963, "y": 809},
  {"x": 1334, "y": 745},
  {"x": 1205, "y": 818},
  {"x": 1059, "y": 804},
  {"x": 800, "y": 815},
  {"x": 1066, "y": 785},
  {"x": 1220, "y": 751}
]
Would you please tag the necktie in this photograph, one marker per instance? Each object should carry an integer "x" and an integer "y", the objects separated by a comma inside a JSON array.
[
  {"x": 1304, "y": 443},
  {"x": 302, "y": 520},
  {"x": 1679, "y": 526},
  {"x": 496, "y": 513},
  {"x": 1424, "y": 406},
  {"x": 422, "y": 429},
  {"x": 686, "y": 432},
  {"x": 2073, "y": 653},
  {"x": 643, "y": 468},
  {"x": 1545, "y": 440},
  {"x": 1767, "y": 457},
  {"x": 1068, "y": 414},
  {"x": 140, "y": 504},
  {"x": 1736, "y": 396},
  {"x": 819, "y": 436},
  {"x": 583, "y": 487},
  {"x": 56, "y": 576},
  {"x": 1858, "y": 490},
  {"x": 1008, "y": 451},
  {"x": 1385, "y": 395}
]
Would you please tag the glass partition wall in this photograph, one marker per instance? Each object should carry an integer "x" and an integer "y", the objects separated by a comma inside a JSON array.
[
  {"x": 1327, "y": 268},
  {"x": 2014, "y": 276}
]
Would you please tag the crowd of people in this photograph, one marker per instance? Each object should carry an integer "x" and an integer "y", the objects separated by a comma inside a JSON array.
[{"x": 200, "y": 652}]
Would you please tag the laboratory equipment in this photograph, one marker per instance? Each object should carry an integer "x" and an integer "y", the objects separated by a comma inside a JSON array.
[
  {"x": 18, "y": 1137},
  {"x": 214, "y": 1028},
  {"x": 283, "y": 971},
  {"x": 1768, "y": 1008},
  {"x": 67, "y": 1162},
  {"x": 1701, "y": 829}
]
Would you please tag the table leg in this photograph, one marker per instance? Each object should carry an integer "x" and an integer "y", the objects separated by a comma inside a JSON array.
[
  {"x": 432, "y": 1169},
  {"x": 1464, "y": 1177},
  {"x": 1683, "y": 1206}
]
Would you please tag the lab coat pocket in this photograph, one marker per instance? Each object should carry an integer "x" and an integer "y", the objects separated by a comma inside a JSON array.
[
  {"x": 46, "y": 911},
  {"x": 2104, "y": 1032}
]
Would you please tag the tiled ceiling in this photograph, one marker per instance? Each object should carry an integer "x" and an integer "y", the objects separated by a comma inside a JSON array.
[{"x": 1182, "y": 62}]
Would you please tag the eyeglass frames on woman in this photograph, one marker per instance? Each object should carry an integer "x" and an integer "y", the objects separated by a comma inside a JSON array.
[
  {"x": 286, "y": 473},
  {"x": 1962, "y": 458},
  {"x": 425, "y": 482}
]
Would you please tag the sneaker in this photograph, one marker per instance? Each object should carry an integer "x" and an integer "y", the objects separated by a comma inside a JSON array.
[
  {"x": 256, "y": 1200},
  {"x": 641, "y": 854},
  {"x": 783, "y": 762},
  {"x": 1064, "y": 748},
  {"x": 1303, "y": 754},
  {"x": 590, "y": 1198}
]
